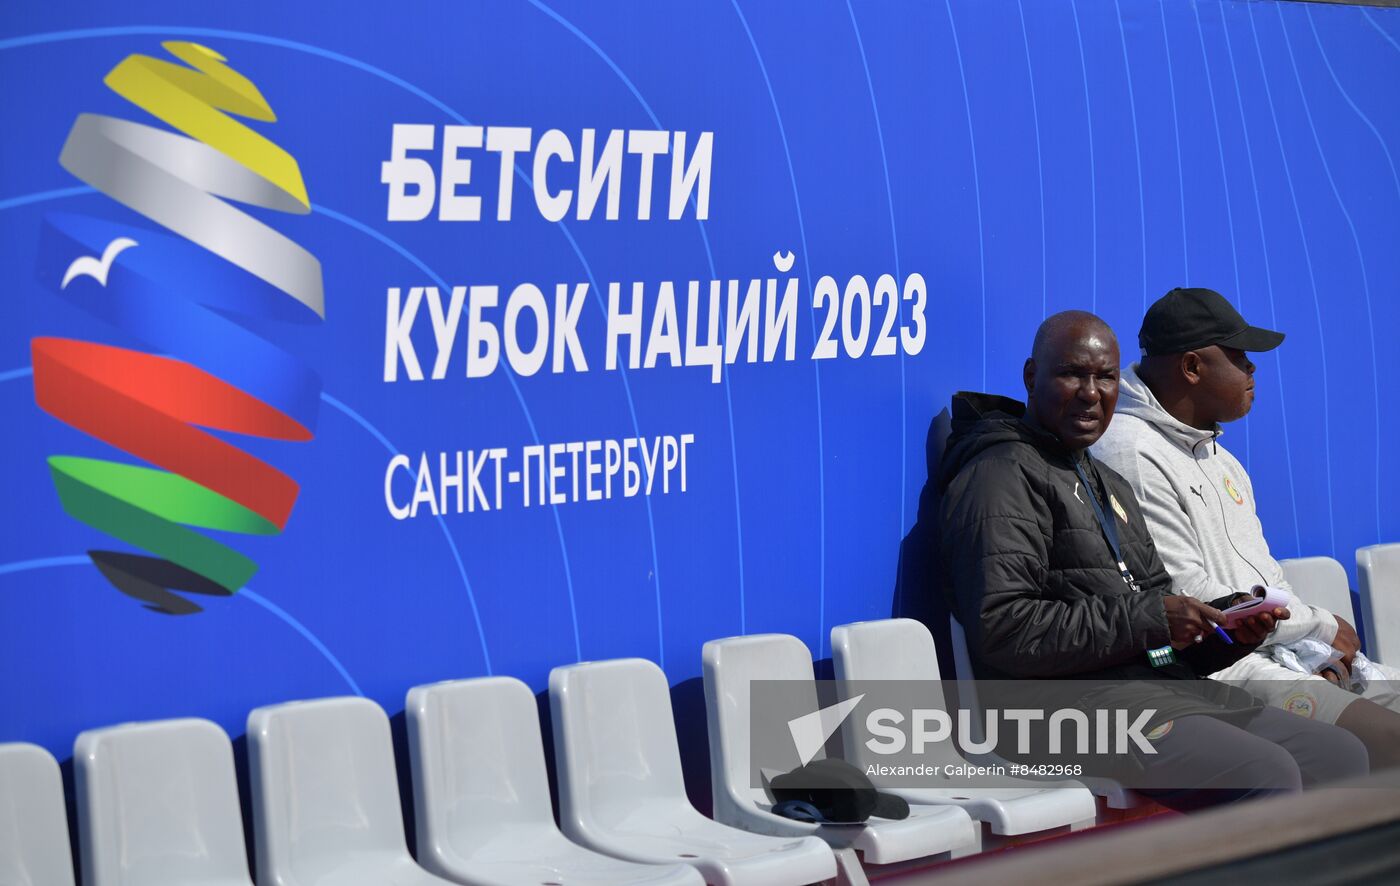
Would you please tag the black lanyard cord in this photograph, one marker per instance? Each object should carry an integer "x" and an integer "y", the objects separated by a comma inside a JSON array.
[{"x": 1106, "y": 523}]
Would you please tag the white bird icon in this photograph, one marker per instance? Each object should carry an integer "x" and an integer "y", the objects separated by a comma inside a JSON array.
[{"x": 94, "y": 267}]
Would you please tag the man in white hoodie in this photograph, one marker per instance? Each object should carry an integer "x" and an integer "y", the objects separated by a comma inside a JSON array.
[{"x": 1199, "y": 505}]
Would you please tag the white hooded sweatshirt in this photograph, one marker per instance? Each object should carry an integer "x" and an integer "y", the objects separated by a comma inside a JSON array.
[{"x": 1199, "y": 507}]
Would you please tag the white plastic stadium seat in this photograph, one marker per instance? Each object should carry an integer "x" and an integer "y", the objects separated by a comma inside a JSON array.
[
  {"x": 482, "y": 796},
  {"x": 730, "y": 666},
  {"x": 1114, "y": 795},
  {"x": 1320, "y": 581},
  {"x": 326, "y": 798},
  {"x": 903, "y": 649},
  {"x": 1378, "y": 571},
  {"x": 158, "y": 806},
  {"x": 34, "y": 849},
  {"x": 621, "y": 790}
]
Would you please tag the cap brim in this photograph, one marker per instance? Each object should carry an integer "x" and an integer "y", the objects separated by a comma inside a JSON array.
[
  {"x": 1252, "y": 338},
  {"x": 890, "y": 806}
]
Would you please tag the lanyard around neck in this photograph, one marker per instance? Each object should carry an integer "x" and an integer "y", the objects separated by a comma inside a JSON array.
[{"x": 1106, "y": 523}]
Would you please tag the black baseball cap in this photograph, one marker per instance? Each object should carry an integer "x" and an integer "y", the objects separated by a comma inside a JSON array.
[
  {"x": 836, "y": 791},
  {"x": 1186, "y": 319}
]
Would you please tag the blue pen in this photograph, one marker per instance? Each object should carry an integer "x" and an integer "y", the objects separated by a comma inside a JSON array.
[{"x": 1224, "y": 636}]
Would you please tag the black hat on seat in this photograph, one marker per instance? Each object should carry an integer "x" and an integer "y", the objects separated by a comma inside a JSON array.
[{"x": 832, "y": 792}]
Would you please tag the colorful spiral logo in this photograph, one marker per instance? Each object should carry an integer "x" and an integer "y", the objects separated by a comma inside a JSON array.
[{"x": 184, "y": 297}]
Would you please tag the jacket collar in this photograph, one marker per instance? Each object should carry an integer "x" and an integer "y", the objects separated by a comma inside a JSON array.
[
  {"x": 980, "y": 421},
  {"x": 1135, "y": 398}
]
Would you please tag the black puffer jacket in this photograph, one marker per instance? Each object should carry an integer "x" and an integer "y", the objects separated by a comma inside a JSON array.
[{"x": 1027, "y": 570}]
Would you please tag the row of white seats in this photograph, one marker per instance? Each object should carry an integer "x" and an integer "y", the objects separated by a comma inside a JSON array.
[
  {"x": 158, "y": 803},
  {"x": 1322, "y": 581},
  {"x": 903, "y": 650},
  {"x": 148, "y": 792}
]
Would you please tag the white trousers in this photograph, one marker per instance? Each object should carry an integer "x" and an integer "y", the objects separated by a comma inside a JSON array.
[{"x": 1307, "y": 695}]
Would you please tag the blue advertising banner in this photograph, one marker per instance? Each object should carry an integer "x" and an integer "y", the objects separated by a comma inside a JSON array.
[{"x": 347, "y": 348}]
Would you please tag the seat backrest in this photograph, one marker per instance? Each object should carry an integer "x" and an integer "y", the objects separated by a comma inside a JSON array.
[
  {"x": 1320, "y": 581},
  {"x": 478, "y": 762},
  {"x": 962, "y": 657},
  {"x": 323, "y": 784},
  {"x": 888, "y": 649},
  {"x": 158, "y": 803},
  {"x": 1378, "y": 573},
  {"x": 918, "y": 594},
  {"x": 729, "y": 666},
  {"x": 614, "y": 740},
  {"x": 34, "y": 848},
  {"x": 967, "y": 678}
]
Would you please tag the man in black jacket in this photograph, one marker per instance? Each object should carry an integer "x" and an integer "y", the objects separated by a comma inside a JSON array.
[{"x": 1049, "y": 567}]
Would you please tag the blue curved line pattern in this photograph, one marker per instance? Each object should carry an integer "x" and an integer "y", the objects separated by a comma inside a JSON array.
[
  {"x": 632, "y": 87},
  {"x": 1268, "y": 280},
  {"x": 451, "y": 543},
  {"x": 1093, "y": 178},
  {"x": 1225, "y": 186},
  {"x": 976, "y": 183},
  {"x": 1176, "y": 129},
  {"x": 442, "y": 524},
  {"x": 816, "y": 367},
  {"x": 1137, "y": 146},
  {"x": 558, "y": 525},
  {"x": 1219, "y": 146},
  {"x": 1385, "y": 148},
  {"x": 44, "y": 563},
  {"x": 1039, "y": 163},
  {"x": 278, "y": 611},
  {"x": 1355, "y": 238},
  {"x": 40, "y": 197},
  {"x": 1312, "y": 279},
  {"x": 636, "y": 428},
  {"x": 724, "y": 370},
  {"x": 383, "y": 441},
  {"x": 899, "y": 302},
  {"x": 1382, "y": 31},
  {"x": 305, "y": 633},
  {"x": 223, "y": 34}
]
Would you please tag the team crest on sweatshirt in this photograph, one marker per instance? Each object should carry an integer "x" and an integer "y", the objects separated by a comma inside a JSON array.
[
  {"x": 1117, "y": 508},
  {"x": 1302, "y": 704},
  {"x": 1234, "y": 493}
]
